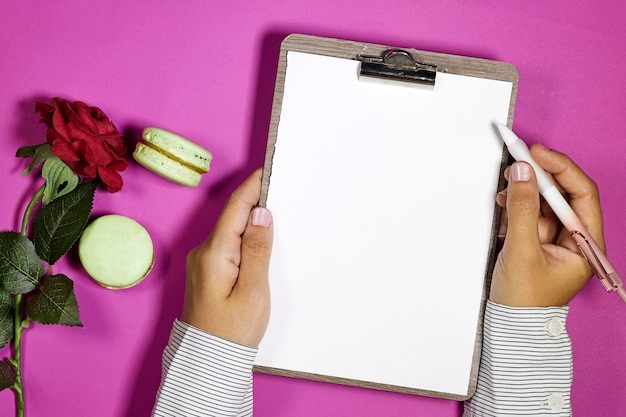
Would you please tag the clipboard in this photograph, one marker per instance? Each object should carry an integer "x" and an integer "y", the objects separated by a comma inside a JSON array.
[{"x": 383, "y": 195}]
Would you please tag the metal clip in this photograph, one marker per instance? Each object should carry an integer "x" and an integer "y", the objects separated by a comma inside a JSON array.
[
  {"x": 397, "y": 65},
  {"x": 586, "y": 248}
]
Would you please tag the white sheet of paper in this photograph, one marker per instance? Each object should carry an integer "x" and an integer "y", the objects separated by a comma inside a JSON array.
[{"x": 383, "y": 199}]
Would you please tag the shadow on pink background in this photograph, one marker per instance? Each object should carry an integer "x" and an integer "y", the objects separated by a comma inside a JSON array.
[{"x": 206, "y": 70}]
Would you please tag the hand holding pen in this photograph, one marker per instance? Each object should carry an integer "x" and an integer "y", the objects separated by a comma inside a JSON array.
[{"x": 541, "y": 263}]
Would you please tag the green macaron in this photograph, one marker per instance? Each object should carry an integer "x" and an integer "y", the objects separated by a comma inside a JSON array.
[
  {"x": 172, "y": 156},
  {"x": 116, "y": 251}
]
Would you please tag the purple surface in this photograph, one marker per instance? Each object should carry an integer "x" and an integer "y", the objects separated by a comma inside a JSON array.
[{"x": 206, "y": 71}]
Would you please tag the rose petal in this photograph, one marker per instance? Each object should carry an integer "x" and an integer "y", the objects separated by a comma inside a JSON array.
[
  {"x": 111, "y": 178},
  {"x": 97, "y": 152},
  {"x": 119, "y": 165},
  {"x": 103, "y": 123},
  {"x": 77, "y": 131},
  {"x": 59, "y": 124},
  {"x": 44, "y": 111},
  {"x": 115, "y": 142},
  {"x": 84, "y": 117},
  {"x": 64, "y": 151}
]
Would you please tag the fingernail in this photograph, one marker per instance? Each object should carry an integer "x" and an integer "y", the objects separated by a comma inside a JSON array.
[
  {"x": 502, "y": 230},
  {"x": 261, "y": 217},
  {"x": 520, "y": 171},
  {"x": 501, "y": 198}
]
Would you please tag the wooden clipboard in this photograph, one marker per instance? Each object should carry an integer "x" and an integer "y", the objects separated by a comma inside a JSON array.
[{"x": 356, "y": 299}]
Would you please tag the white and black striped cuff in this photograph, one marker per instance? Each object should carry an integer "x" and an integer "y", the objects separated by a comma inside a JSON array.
[
  {"x": 526, "y": 364},
  {"x": 204, "y": 375}
]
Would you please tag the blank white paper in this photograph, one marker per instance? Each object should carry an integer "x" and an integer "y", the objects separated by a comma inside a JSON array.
[{"x": 383, "y": 200}]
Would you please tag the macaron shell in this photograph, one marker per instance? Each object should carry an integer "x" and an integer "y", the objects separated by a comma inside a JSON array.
[
  {"x": 178, "y": 148},
  {"x": 116, "y": 251},
  {"x": 166, "y": 167}
]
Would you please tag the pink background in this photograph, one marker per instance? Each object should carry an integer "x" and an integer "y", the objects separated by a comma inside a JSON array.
[{"x": 205, "y": 69}]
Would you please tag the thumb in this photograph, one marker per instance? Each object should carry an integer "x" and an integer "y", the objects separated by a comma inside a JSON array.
[
  {"x": 522, "y": 207},
  {"x": 256, "y": 248}
]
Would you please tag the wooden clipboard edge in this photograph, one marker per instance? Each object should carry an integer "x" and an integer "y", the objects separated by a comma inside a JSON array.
[
  {"x": 356, "y": 383},
  {"x": 454, "y": 64}
]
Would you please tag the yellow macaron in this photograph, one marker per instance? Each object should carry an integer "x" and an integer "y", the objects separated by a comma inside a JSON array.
[{"x": 172, "y": 156}]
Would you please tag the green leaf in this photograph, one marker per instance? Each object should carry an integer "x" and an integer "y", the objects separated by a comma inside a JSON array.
[
  {"x": 39, "y": 153},
  {"x": 21, "y": 269},
  {"x": 7, "y": 376},
  {"x": 55, "y": 302},
  {"x": 6, "y": 318},
  {"x": 59, "y": 224},
  {"x": 26, "y": 151},
  {"x": 60, "y": 179}
]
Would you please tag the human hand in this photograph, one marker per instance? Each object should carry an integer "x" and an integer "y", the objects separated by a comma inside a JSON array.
[
  {"x": 540, "y": 265},
  {"x": 227, "y": 289}
]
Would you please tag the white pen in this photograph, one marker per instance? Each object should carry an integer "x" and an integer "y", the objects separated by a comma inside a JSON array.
[{"x": 591, "y": 251}]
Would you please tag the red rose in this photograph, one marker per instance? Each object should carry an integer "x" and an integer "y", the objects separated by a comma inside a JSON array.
[{"x": 86, "y": 140}]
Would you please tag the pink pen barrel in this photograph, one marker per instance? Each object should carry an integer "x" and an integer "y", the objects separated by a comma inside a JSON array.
[
  {"x": 603, "y": 269},
  {"x": 620, "y": 291}
]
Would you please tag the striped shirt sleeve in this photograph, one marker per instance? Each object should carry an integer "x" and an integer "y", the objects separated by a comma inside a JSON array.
[
  {"x": 525, "y": 370},
  {"x": 526, "y": 364},
  {"x": 204, "y": 375}
]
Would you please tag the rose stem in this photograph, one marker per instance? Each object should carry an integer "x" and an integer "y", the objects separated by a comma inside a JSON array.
[{"x": 19, "y": 323}]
